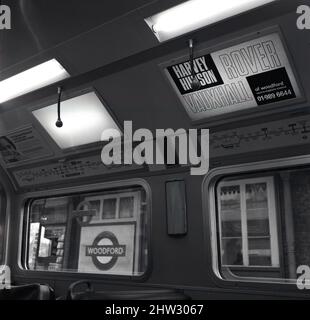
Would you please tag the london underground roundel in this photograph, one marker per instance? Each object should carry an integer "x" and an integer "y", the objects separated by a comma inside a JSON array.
[{"x": 105, "y": 250}]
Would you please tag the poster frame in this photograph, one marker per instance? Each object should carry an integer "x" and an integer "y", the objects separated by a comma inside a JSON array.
[{"x": 249, "y": 112}]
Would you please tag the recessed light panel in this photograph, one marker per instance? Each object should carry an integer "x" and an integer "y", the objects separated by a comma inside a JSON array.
[{"x": 84, "y": 120}]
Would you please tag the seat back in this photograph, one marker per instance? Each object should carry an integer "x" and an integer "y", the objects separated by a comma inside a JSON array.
[{"x": 28, "y": 292}]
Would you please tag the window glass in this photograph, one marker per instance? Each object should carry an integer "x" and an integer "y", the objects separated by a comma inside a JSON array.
[
  {"x": 263, "y": 225},
  {"x": 231, "y": 225},
  {"x": 96, "y": 206},
  {"x": 103, "y": 232},
  {"x": 109, "y": 208},
  {"x": 126, "y": 207}
]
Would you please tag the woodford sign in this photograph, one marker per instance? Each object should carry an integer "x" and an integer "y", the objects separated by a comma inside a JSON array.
[
  {"x": 109, "y": 248},
  {"x": 113, "y": 251}
]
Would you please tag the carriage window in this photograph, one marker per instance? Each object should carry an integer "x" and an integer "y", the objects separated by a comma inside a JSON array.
[
  {"x": 264, "y": 225},
  {"x": 103, "y": 232}
]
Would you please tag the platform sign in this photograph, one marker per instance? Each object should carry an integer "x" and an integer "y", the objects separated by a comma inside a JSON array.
[
  {"x": 251, "y": 74},
  {"x": 108, "y": 248}
]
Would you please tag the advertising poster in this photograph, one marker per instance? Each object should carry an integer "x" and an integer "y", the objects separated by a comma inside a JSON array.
[
  {"x": 251, "y": 74},
  {"x": 108, "y": 248},
  {"x": 22, "y": 144}
]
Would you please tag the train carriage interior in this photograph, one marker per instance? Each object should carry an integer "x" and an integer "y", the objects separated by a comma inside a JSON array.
[{"x": 154, "y": 149}]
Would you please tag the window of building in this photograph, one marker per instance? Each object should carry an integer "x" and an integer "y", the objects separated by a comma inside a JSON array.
[
  {"x": 263, "y": 224},
  {"x": 103, "y": 232},
  {"x": 248, "y": 225}
]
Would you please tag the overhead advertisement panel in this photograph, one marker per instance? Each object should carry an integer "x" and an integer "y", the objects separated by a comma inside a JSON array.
[
  {"x": 248, "y": 75},
  {"x": 21, "y": 145}
]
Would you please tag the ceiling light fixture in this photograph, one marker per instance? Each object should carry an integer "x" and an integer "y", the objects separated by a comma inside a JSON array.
[
  {"x": 194, "y": 14},
  {"x": 32, "y": 79}
]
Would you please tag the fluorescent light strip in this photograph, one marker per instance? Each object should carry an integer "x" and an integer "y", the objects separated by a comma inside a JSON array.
[
  {"x": 32, "y": 79},
  {"x": 194, "y": 14},
  {"x": 84, "y": 120}
]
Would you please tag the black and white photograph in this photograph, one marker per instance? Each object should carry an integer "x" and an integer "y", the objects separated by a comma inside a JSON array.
[{"x": 155, "y": 156}]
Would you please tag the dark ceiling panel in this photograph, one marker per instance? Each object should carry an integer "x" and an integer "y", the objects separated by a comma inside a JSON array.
[
  {"x": 142, "y": 94},
  {"x": 39, "y": 25}
]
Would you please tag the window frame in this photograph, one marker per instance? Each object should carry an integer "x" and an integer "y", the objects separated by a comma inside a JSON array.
[
  {"x": 280, "y": 287},
  {"x": 28, "y": 198}
]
